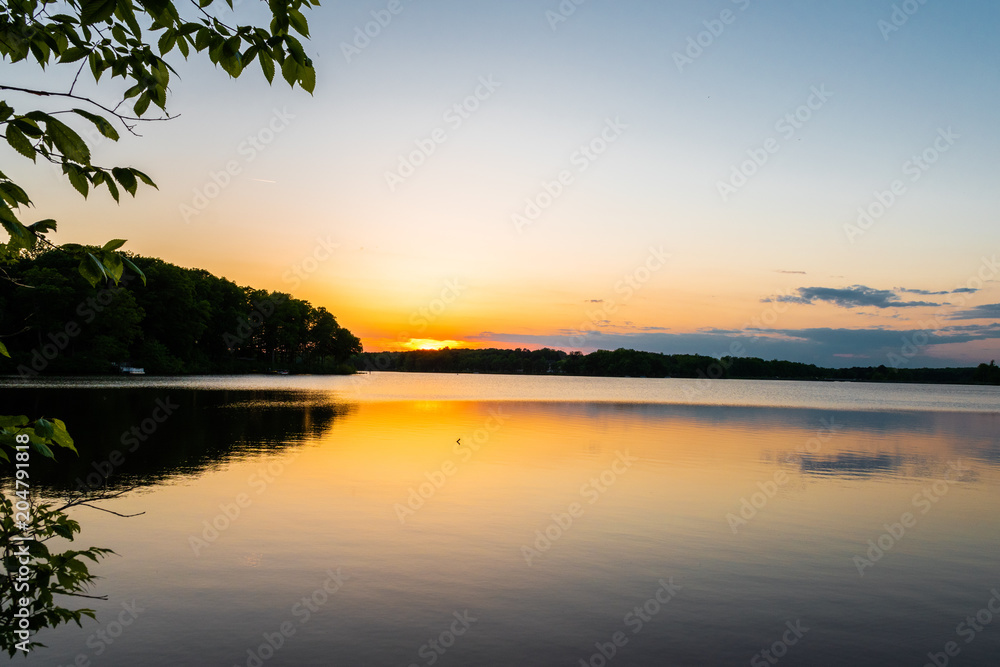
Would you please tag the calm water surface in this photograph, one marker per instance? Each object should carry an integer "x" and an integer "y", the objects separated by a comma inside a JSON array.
[{"x": 336, "y": 521}]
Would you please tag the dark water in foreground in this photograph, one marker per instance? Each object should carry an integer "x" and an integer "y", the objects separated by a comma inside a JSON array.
[{"x": 336, "y": 521}]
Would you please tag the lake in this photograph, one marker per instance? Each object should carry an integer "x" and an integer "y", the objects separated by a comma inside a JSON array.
[{"x": 409, "y": 519}]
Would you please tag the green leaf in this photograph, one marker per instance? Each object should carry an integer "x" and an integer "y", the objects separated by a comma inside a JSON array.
[
  {"x": 40, "y": 446},
  {"x": 127, "y": 180},
  {"x": 155, "y": 8},
  {"x": 307, "y": 78},
  {"x": 290, "y": 70},
  {"x": 43, "y": 226},
  {"x": 44, "y": 429},
  {"x": 159, "y": 94},
  {"x": 188, "y": 29},
  {"x": 29, "y": 127},
  {"x": 295, "y": 48},
  {"x": 103, "y": 125},
  {"x": 61, "y": 436},
  {"x": 113, "y": 265},
  {"x": 19, "y": 142},
  {"x": 167, "y": 41},
  {"x": 73, "y": 54},
  {"x": 202, "y": 39},
  {"x": 113, "y": 245},
  {"x": 3, "y": 350},
  {"x": 7, "y": 421},
  {"x": 7, "y": 215},
  {"x": 13, "y": 194},
  {"x": 216, "y": 42},
  {"x": 298, "y": 21},
  {"x": 141, "y": 104},
  {"x": 112, "y": 188},
  {"x": 20, "y": 237},
  {"x": 144, "y": 178},
  {"x": 95, "y": 11},
  {"x": 135, "y": 268},
  {"x": 41, "y": 52},
  {"x": 266, "y": 65},
  {"x": 232, "y": 65},
  {"x": 128, "y": 14},
  {"x": 92, "y": 270},
  {"x": 77, "y": 178},
  {"x": 96, "y": 66},
  {"x": 63, "y": 531},
  {"x": 67, "y": 141}
]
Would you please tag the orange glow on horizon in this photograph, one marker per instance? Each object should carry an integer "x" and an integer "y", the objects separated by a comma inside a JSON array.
[{"x": 430, "y": 344}]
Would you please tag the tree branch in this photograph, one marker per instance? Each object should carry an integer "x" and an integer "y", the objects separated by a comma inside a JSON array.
[
  {"x": 124, "y": 119},
  {"x": 83, "y": 63},
  {"x": 210, "y": 17},
  {"x": 82, "y": 595},
  {"x": 93, "y": 496},
  {"x": 124, "y": 516},
  {"x": 7, "y": 277}
]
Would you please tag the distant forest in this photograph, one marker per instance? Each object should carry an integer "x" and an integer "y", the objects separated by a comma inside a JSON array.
[
  {"x": 186, "y": 321},
  {"x": 630, "y": 363},
  {"x": 181, "y": 321}
]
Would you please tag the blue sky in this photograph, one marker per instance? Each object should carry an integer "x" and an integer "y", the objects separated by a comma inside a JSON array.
[{"x": 817, "y": 108}]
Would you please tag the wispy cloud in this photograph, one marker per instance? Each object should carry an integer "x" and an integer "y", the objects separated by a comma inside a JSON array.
[
  {"x": 923, "y": 292},
  {"x": 988, "y": 311},
  {"x": 855, "y": 296},
  {"x": 801, "y": 273}
]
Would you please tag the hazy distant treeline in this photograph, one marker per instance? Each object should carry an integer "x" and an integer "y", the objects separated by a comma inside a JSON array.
[
  {"x": 181, "y": 321},
  {"x": 631, "y": 363}
]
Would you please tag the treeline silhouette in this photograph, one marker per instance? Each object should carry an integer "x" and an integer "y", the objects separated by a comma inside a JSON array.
[
  {"x": 141, "y": 435},
  {"x": 182, "y": 321},
  {"x": 633, "y": 363}
]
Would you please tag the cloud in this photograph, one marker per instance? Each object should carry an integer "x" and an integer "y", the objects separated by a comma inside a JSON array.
[
  {"x": 855, "y": 296},
  {"x": 923, "y": 292},
  {"x": 989, "y": 311},
  {"x": 802, "y": 273},
  {"x": 594, "y": 301},
  {"x": 826, "y": 347},
  {"x": 974, "y": 329}
]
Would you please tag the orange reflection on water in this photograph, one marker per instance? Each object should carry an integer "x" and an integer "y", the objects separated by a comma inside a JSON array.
[{"x": 546, "y": 502}]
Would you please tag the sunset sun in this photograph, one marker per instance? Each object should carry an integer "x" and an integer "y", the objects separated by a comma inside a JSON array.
[{"x": 430, "y": 344}]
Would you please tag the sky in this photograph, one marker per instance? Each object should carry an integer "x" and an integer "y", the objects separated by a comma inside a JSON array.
[{"x": 800, "y": 180}]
